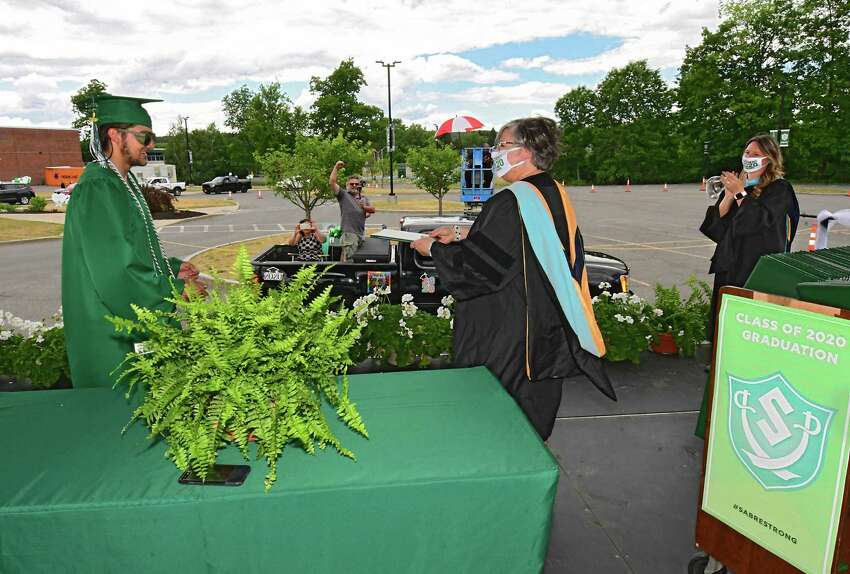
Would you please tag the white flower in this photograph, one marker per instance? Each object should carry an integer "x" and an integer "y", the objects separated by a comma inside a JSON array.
[
  {"x": 40, "y": 338},
  {"x": 452, "y": 324},
  {"x": 605, "y": 294},
  {"x": 401, "y": 323},
  {"x": 406, "y": 298},
  {"x": 635, "y": 299},
  {"x": 443, "y": 313},
  {"x": 447, "y": 301},
  {"x": 619, "y": 318},
  {"x": 380, "y": 317},
  {"x": 630, "y": 320},
  {"x": 658, "y": 312},
  {"x": 681, "y": 333},
  {"x": 620, "y": 296},
  {"x": 5, "y": 335},
  {"x": 604, "y": 285},
  {"x": 648, "y": 337},
  {"x": 595, "y": 300}
]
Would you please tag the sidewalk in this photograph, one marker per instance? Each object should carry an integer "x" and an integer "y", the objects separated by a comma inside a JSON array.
[{"x": 159, "y": 223}]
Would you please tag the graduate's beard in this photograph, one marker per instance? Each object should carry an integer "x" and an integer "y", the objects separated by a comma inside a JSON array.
[{"x": 128, "y": 156}]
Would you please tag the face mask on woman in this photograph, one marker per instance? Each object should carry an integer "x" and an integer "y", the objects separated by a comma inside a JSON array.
[
  {"x": 501, "y": 163},
  {"x": 752, "y": 164}
]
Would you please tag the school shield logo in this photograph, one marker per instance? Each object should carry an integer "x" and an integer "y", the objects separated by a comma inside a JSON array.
[{"x": 778, "y": 434}]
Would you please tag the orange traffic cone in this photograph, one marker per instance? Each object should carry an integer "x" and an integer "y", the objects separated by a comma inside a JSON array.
[
  {"x": 628, "y": 186},
  {"x": 592, "y": 188},
  {"x": 665, "y": 188},
  {"x": 702, "y": 185},
  {"x": 813, "y": 235}
]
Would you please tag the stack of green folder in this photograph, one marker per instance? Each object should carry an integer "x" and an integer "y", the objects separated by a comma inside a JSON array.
[{"x": 821, "y": 276}]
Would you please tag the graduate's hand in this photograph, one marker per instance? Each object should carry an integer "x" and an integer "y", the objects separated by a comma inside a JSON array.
[
  {"x": 423, "y": 246},
  {"x": 443, "y": 234},
  {"x": 188, "y": 271}
]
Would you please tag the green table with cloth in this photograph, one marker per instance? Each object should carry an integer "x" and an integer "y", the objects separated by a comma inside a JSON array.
[{"x": 453, "y": 479}]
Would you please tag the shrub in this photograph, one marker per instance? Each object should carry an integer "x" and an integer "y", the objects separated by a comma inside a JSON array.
[
  {"x": 37, "y": 204},
  {"x": 159, "y": 200}
]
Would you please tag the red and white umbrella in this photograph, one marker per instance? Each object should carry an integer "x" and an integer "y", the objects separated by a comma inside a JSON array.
[{"x": 458, "y": 124}]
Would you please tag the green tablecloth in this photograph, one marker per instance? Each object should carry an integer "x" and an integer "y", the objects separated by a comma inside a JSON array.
[{"x": 453, "y": 479}]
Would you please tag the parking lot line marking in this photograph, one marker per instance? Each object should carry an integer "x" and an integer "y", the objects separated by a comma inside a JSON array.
[
  {"x": 206, "y": 228},
  {"x": 638, "y": 281},
  {"x": 279, "y": 226},
  {"x": 647, "y": 246},
  {"x": 231, "y": 227},
  {"x": 256, "y": 228},
  {"x": 185, "y": 244}
]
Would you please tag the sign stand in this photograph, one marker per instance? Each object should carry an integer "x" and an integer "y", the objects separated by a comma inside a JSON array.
[{"x": 763, "y": 509}]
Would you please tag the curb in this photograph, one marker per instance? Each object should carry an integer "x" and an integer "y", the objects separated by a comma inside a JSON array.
[
  {"x": 28, "y": 239},
  {"x": 211, "y": 247}
]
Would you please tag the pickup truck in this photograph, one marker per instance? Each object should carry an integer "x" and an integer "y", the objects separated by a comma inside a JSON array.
[
  {"x": 226, "y": 183},
  {"x": 175, "y": 188},
  {"x": 405, "y": 268}
]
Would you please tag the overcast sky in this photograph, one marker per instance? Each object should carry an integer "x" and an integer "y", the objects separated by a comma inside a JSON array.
[{"x": 491, "y": 59}]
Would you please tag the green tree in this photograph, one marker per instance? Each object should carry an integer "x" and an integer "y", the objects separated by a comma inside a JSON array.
[
  {"x": 435, "y": 169},
  {"x": 265, "y": 119},
  {"x": 633, "y": 126},
  {"x": 82, "y": 104},
  {"x": 214, "y": 153},
  {"x": 576, "y": 111},
  {"x": 301, "y": 175},
  {"x": 337, "y": 108}
]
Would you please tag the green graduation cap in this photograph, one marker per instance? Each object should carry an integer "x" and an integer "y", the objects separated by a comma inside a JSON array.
[{"x": 111, "y": 109}]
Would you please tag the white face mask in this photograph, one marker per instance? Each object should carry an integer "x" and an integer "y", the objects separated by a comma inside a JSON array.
[
  {"x": 501, "y": 163},
  {"x": 752, "y": 164}
]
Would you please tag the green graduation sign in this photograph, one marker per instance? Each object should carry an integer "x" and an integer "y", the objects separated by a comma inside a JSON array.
[{"x": 778, "y": 442}]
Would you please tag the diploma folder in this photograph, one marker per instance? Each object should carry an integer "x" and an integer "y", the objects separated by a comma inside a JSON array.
[{"x": 396, "y": 235}]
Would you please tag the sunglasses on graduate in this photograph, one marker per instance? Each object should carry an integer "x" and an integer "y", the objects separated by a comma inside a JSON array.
[{"x": 144, "y": 138}]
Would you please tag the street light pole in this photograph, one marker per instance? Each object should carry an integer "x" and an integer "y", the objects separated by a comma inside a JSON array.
[
  {"x": 188, "y": 149},
  {"x": 390, "y": 133}
]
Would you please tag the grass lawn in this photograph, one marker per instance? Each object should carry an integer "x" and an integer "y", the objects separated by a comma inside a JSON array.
[
  {"x": 10, "y": 229},
  {"x": 196, "y": 202},
  {"x": 219, "y": 260}
]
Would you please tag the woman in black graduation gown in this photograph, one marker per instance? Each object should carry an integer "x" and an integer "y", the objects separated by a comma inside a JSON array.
[
  {"x": 507, "y": 316},
  {"x": 756, "y": 215}
]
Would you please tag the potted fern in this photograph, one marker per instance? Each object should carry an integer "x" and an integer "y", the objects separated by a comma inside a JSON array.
[{"x": 243, "y": 365}]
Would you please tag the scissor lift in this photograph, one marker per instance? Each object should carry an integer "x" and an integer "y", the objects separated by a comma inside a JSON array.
[{"x": 476, "y": 178}]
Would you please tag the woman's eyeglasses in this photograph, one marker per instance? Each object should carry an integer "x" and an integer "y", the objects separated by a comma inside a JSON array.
[
  {"x": 500, "y": 144},
  {"x": 144, "y": 138}
]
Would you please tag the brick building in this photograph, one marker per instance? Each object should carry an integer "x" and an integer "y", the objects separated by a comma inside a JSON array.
[{"x": 27, "y": 151}]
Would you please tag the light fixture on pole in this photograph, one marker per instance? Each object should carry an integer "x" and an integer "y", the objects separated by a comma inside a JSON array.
[
  {"x": 390, "y": 134},
  {"x": 188, "y": 149}
]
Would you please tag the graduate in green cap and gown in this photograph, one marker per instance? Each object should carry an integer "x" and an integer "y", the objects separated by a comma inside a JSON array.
[{"x": 111, "y": 254}]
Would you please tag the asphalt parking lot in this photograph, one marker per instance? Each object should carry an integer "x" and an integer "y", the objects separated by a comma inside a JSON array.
[{"x": 655, "y": 232}]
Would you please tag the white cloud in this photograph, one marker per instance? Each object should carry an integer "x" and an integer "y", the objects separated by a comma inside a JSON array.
[{"x": 195, "y": 45}]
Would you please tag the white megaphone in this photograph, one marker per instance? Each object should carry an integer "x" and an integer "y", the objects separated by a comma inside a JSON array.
[{"x": 714, "y": 188}]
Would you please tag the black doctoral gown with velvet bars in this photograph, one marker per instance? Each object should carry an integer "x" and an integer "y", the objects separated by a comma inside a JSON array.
[{"x": 488, "y": 274}]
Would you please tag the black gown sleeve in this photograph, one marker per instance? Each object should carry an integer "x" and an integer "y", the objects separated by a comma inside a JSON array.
[
  {"x": 714, "y": 226},
  {"x": 490, "y": 256},
  {"x": 757, "y": 214}
]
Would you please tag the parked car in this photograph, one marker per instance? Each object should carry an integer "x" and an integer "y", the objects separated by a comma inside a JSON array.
[
  {"x": 175, "y": 188},
  {"x": 16, "y": 193},
  {"x": 225, "y": 183},
  {"x": 405, "y": 267}
]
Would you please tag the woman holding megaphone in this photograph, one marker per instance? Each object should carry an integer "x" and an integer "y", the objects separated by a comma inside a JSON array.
[{"x": 756, "y": 214}]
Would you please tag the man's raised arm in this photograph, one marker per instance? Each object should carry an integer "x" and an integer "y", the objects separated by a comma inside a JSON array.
[{"x": 332, "y": 181}]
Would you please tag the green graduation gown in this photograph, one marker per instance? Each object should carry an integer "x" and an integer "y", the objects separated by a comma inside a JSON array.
[{"x": 107, "y": 264}]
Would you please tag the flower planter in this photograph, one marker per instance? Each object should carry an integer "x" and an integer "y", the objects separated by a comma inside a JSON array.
[
  {"x": 664, "y": 344},
  {"x": 375, "y": 366}
]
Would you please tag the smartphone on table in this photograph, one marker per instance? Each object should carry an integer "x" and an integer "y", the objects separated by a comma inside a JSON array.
[{"x": 219, "y": 475}]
